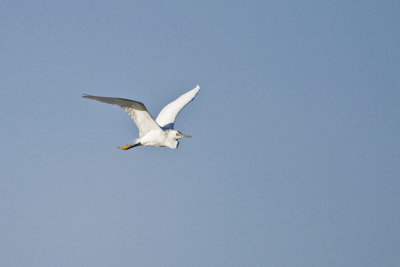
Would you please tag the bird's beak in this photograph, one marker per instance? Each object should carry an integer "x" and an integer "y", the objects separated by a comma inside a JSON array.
[{"x": 184, "y": 136}]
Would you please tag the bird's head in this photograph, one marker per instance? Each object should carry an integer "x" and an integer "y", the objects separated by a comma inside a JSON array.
[{"x": 178, "y": 135}]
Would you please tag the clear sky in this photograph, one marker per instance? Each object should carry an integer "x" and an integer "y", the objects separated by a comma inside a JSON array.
[{"x": 295, "y": 155}]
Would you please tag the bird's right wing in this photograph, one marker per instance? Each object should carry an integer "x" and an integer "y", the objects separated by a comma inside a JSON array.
[
  {"x": 167, "y": 115},
  {"x": 138, "y": 112}
]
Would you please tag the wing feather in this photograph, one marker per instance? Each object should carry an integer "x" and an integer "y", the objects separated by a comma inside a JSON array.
[
  {"x": 136, "y": 110},
  {"x": 167, "y": 115}
]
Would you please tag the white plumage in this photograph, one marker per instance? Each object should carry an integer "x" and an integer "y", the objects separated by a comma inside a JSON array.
[{"x": 159, "y": 132}]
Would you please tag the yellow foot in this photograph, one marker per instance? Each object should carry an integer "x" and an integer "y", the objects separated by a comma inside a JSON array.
[{"x": 125, "y": 147}]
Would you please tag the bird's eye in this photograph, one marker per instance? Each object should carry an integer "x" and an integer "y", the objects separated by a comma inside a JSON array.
[{"x": 177, "y": 134}]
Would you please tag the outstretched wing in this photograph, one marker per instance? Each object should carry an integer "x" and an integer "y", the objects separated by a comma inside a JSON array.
[
  {"x": 136, "y": 110},
  {"x": 167, "y": 115}
]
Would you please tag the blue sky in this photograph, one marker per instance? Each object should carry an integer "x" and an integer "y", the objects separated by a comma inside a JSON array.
[{"x": 295, "y": 155}]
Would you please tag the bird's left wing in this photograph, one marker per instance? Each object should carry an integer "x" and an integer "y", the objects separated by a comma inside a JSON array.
[
  {"x": 137, "y": 110},
  {"x": 167, "y": 115}
]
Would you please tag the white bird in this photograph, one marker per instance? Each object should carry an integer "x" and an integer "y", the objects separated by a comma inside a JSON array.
[{"x": 159, "y": 132}]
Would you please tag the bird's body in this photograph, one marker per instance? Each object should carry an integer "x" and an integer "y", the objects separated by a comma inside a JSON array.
[
  {"x": 159, "y": 138},
  {"x": 152, "y": 132}
]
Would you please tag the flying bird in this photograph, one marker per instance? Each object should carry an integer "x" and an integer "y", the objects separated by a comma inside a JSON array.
[{"x": 159, "y": 132}]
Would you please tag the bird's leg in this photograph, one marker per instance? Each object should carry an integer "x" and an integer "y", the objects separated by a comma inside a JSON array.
[{"x": 126, "y": 147}]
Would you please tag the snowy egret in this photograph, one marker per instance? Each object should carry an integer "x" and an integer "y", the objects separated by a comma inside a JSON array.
[{"x": 159, "y": 132}]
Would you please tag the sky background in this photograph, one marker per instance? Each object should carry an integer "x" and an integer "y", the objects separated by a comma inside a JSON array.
[{"x": 295, "y": 155}]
